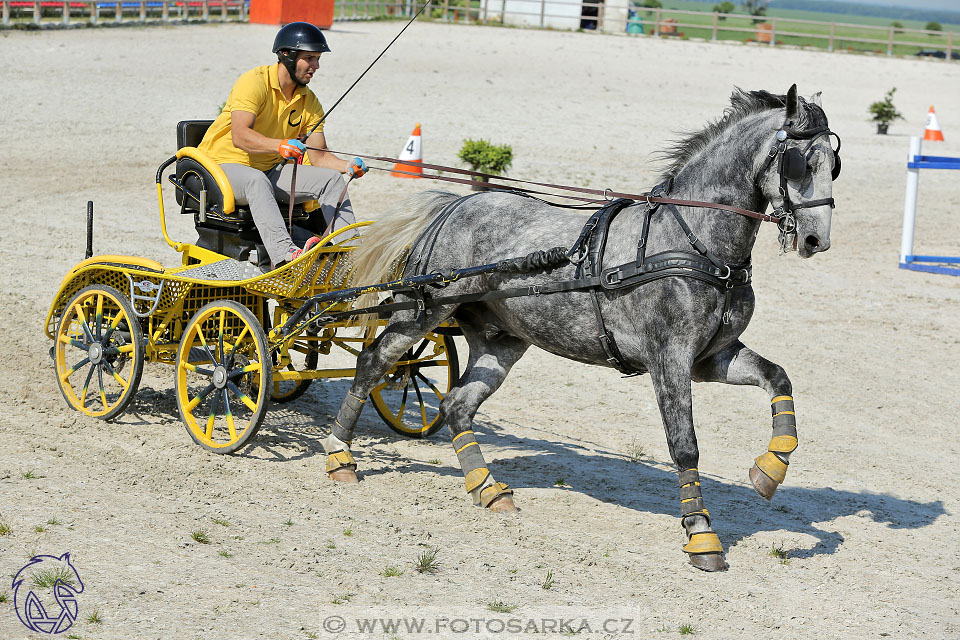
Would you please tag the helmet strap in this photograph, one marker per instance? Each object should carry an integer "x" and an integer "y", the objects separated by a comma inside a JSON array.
[{"x": 290, "y": 62}]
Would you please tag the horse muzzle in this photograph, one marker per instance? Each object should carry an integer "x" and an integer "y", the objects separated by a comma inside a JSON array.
[{"x": 808, "y": 244}]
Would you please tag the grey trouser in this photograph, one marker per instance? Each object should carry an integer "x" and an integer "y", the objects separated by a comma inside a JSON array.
[{"x": 260, "y": 190}]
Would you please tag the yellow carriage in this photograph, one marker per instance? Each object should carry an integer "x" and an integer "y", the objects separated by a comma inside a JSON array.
[{"x": 232, "y": 333}]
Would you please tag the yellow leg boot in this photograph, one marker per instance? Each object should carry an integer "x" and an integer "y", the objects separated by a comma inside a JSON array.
[{"x": 770, "y": 469}]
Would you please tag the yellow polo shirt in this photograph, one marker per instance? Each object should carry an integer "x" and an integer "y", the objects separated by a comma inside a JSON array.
[{"x": 258, "y": 92}]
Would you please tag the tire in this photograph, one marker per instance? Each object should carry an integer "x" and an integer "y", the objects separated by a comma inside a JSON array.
[
  {"x": 99, "y": 333},
  {"x": 223, "y": 358}
]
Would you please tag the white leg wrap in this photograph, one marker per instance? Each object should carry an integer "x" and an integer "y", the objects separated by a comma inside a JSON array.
[{"x": 332, "y": 444}]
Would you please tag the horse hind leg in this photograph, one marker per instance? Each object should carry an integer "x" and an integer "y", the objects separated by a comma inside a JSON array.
[
  {"x": 372, "y": 363},
  {"x": 489, "y": 363},
  {"x": 740, "y": 365}
]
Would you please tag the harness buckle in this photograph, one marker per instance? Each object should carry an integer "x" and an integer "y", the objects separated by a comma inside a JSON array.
[
  {"x": 605, "y": 196},
  {"x": 612, "y": 278},
  {"x": 535, "y": 290},
  {"x": 727, "y": 275}
]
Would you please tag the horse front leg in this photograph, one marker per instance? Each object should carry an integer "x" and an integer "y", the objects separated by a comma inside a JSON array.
[
  {"x": 671, "y": 382},
  {"x": 740, "y": 365}
]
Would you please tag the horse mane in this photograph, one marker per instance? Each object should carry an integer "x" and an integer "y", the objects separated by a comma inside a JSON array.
[{"x": 742, "y": 105}]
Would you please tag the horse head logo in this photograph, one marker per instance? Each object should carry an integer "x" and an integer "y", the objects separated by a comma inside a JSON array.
[{"x": 32, "y": 588}]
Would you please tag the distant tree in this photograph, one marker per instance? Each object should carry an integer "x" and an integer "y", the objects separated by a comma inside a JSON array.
[
  {"x": 724, "y": 7},
  {"x": 933, "y": 25},
  {"x": 653, "y": 4},
  {"x": 755, "y": 7},
  {"x": 897, "y": 27}
]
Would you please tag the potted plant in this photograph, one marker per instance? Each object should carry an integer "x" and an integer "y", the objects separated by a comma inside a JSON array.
[
  {"x": 485, "y": 157},
  {"x": 884, "y": 112}
]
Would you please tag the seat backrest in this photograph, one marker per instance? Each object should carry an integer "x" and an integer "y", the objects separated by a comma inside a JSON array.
[{"x": 190, "y": 132}]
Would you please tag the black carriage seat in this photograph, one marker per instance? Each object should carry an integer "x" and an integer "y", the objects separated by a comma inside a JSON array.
[{"x": 224, "y": 227}]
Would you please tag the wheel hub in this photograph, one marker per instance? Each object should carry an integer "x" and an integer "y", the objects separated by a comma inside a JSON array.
[
  {"x": 95, "y": 353},
  {"x": 220, "y": 377}
]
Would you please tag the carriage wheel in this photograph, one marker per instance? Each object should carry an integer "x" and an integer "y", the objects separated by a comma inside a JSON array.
[
  {"x": 303, "y": 356},
  {"x": 223, "y": 376},
  {"x": 99, "y": 343},
  {"x": 408, "y": 397}
]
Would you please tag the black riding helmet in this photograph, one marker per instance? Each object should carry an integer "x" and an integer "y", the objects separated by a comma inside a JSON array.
[{"x": 297, "y": 36}]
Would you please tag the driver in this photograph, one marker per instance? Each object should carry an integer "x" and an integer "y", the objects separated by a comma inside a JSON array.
[{"x": 258, "y": 132}]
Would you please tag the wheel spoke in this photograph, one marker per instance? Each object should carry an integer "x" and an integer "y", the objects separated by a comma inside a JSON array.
[
  {"x": 239, "y": 371},
  {"x": 214, "y": 405},
  {"x": 103, "y": 394},
  {"x": 236, "y": 343},
  {"x": 113, "y": 326},
  {"x": 74, "y": 369},
  {"x": 403, "y": 403},
  {"x": 203, "y": 343},
  {"x": 197, "y": 399},
  {"x": 83, "y": 322},
  {"x": 423, "y": 345},
  {"x": 73, "y": 342},
  {"x": 223, "y": 320},
  {"x": 430, "y": 384},
  {"x": 194, "y": 368},
  {"x": 99, "y": 317},
  {"x": 231, "y": 427},
  {"x": 86, "y": 385},
  {"x": 116, "y": 376},
  {"x": 115, "y": 351},
  {"x": 423, "y": 408},
  {"x": 244, "y": 398}
]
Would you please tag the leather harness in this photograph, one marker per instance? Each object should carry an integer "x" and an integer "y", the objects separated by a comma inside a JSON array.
[{"x": 587, "y": 251}]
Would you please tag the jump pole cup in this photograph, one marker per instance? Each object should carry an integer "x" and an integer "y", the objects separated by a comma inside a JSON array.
[{"x": 910, "y": 202}]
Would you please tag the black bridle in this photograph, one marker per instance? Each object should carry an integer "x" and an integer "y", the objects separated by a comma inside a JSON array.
[
  {"x": 792, "y": 166},
  {"x": 792, "y": 163}
]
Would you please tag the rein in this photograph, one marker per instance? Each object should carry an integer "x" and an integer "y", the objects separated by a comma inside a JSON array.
[{"x": 607, "y": 194}]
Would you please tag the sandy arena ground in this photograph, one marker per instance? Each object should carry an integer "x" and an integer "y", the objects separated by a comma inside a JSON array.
[{"x": 868, "y": 514}]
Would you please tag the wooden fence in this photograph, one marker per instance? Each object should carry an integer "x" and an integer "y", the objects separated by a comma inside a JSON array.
[
  {"x": 619, "y": 18},
  {"x": 55, "y": 13}
]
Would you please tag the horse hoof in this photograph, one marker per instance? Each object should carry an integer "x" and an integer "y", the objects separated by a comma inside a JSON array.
[
  {"x": 762, "y": 483},
  {"x": 709, "y": 561},
  {"x": 503, "y": 504},
  {"x": 345, "y": 476}
]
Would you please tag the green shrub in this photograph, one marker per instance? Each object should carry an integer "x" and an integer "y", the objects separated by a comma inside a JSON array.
[
  {"x": 486, "y": 157},
  {"x": 883, "y": 111}
]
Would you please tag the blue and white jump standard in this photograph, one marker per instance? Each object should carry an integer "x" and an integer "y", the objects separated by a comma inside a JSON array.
[{"x": 934, "y": 264}]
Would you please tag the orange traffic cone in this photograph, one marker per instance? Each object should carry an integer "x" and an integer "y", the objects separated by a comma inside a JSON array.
[
  {"x": 410, "y": 158},
  {"x": 933, "y": 127}
]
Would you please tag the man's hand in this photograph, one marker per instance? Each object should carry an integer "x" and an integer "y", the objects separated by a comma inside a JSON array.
[
  {"x": 356, "y": 168},
  {"x": 292, "y": 149}
]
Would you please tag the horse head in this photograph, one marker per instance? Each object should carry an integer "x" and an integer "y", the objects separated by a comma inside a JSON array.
[{"x": 797, "y": 173}]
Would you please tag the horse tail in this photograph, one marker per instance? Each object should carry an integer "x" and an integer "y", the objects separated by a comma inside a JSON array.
[{"x": 384, "y": 247}]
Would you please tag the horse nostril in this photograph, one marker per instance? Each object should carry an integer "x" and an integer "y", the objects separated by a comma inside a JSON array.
[{"x": 812, "y": 242}]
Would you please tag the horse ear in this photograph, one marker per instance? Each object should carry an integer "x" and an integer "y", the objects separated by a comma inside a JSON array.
[
  {"x": 66, "y": 557},
  {"x": 815, "y": 99},
  {"x": 793, "y": 106}
]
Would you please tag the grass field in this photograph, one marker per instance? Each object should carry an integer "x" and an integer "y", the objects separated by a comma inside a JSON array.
[
  {"x": 813, "y": 30},
  {"x": 848, "y": 30}
]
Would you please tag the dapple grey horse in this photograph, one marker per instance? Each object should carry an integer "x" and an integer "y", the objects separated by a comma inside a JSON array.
[{"x": 765, "y": 149}]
